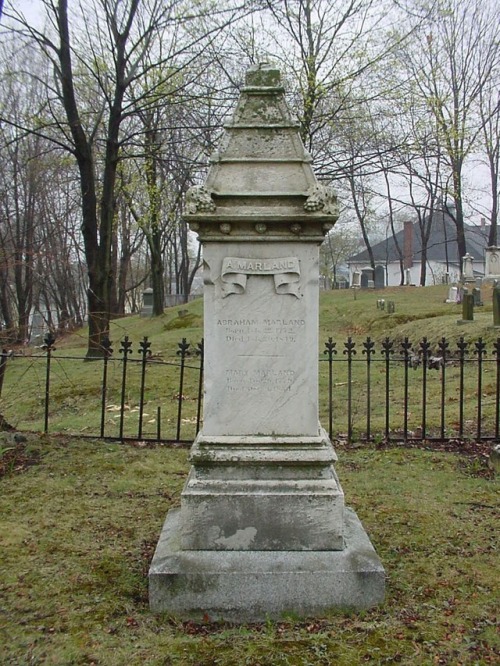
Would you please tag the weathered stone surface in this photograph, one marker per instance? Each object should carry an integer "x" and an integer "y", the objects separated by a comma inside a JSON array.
[
  {"x": 250, "y": 586},
  {"x": 261, "y": 174},
  {"x": 280, "y": 494},
  {"x": 262, "y": 528},
  {"x": 261, "y": 348}
]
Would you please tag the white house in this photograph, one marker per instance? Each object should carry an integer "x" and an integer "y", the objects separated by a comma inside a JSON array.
[{"x": 442, "y": 261}]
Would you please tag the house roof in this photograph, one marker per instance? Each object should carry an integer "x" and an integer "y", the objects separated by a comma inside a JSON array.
[{"x": 441, "y": 246}]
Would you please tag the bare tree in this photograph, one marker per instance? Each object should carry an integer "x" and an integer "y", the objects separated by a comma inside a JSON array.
[
  {"x": 108, "y": 49},
  {"x": 452, "y": 61},
  {"x": 489, "y": 101}
]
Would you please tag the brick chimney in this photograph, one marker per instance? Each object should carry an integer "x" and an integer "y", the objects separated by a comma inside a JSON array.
[{"x": 408, "y": 245}]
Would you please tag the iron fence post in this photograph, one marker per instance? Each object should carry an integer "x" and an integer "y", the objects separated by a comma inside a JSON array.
[
  {"x": 48, "y": 346},
  {"x": 106, "y": 345},
  {"x": 183, "y": 351},
  {"x": 158, "y": 423},
  {"x": 350, "y": 351},
  {"x": 125, "y": 349},
  {"x": 424, "y": 348},
  {"x": 200, "y": 351},
  {"x": 406, "y": 346},
  {"x": 145, "y": 351},
  {"x": 443, "y": 346},
  {"x": 462, "y": 348},
  {"x": 330, "y": 351},
  {"x": 368, "y": 349},
  {"x": 480, "y": 351},
  {"x": 387, "y": 350}
]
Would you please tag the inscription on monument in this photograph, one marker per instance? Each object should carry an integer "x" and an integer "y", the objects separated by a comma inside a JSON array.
[
  {"x": 249, "y": 381},
  {"x": 285, "y": 271},
  {"x": 261, "y": 330}
]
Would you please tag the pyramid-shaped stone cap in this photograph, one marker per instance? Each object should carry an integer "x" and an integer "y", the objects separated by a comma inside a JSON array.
[{"x": 260, "y": 185}]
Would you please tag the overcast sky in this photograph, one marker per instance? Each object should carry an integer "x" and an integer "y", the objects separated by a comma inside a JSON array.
[
  {"x": 30, "y": 8},
  {"x": 33, "y": 10}
]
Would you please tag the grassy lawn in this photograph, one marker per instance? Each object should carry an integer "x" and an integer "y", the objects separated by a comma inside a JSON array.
[{"x": 79, "y": 521}]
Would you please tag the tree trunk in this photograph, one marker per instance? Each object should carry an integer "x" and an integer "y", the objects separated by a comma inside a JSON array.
[
  {"x": 493, "y": 235},
  {"x": 157, "y": 282}
]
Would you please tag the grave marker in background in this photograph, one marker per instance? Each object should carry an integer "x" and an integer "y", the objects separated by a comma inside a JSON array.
[
  {"x": 496, "y": 305},
  {"x": 492, "y": 263},
  {"x": 147, "y": 302},
  {"x": 379, "y": 278},
  {"x": 468, "y": 268}
]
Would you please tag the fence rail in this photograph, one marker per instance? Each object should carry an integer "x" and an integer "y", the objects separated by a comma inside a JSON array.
[
  {"x": 391, "y": 391},
  {"x": 451, "y": 391}
]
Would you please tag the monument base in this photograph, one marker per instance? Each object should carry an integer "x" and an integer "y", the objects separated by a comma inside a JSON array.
[
  {"x": 251, "y": 586},
  {"x": 262, "y": 493}
]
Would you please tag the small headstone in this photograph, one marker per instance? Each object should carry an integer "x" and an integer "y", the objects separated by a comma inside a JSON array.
[
  {"x": 476, "y": 293},
  {"x": 407, "y": 277},
  {"x": 356, "y": 280},
  {"x": 496, "y": 305},
  {"x": 371, "y": 284},
  {"x": 38, "y": 329},
  {"x": 467, "y": 308},
  {"x": 379, "y": 278},
  {"x": 147, "y": 303},
  {"x": 391, "y": 307},
  {"x": 366, "y": 276},
  {"x": 452, "y": 295},
  {"x": 380, "y": 304}
]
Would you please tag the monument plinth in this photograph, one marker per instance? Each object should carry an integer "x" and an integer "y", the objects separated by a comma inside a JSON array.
[{"x": 262, "y": 529}]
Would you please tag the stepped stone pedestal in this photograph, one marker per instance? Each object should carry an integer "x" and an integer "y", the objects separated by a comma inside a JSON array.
[{"x": 262, "y": 530}]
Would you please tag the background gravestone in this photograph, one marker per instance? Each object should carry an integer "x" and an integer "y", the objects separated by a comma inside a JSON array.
[
  {"x": 468, "y": 268},
  {"x": 262, "y": 529},
  {"x": 379, "y": 277},
  {"x": 38, "y": 328},
  {"x": 496, "y": 305},
  {"x": 366, "y": 277},
  {"x": 452, "y": 295},
  {"x": 467, "y": 308},
  {"x": 492, "y": 263},
  {"x": 147, "y": 303}
]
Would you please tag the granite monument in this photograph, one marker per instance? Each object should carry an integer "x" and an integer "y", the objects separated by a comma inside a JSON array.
[{"x": 262, "y": 529}]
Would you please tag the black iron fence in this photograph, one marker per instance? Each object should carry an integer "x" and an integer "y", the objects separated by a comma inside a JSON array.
[
  {"x": 388, "y": 391},
  {"x": 404, "y": 391}
]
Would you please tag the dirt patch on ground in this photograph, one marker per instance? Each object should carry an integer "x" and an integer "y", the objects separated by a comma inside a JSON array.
[{"x": 17, "y": 453}]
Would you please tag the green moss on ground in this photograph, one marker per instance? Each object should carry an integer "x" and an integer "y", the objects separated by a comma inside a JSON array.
[{"x": 79, "y": 525}]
